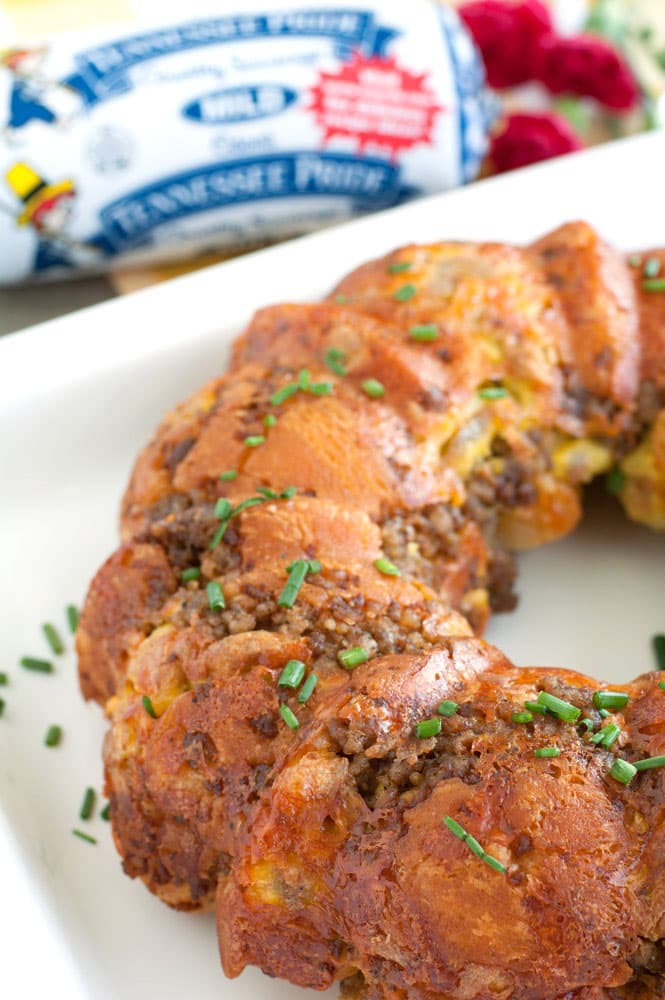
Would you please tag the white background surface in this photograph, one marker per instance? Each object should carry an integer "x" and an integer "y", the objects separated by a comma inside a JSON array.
[{"x": 78, "y": 397}]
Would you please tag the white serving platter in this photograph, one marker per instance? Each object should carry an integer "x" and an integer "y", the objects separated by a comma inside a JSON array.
[{"x": 78, "y": 397}]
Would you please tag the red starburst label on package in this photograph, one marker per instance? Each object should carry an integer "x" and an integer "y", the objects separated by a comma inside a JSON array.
[{"x": 375, "y": 103}]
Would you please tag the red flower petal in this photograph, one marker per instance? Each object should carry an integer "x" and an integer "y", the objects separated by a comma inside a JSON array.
[
  {"x": 507, "y": 35},
  {"x": 587, "y": 66},
  {"x": 529, "y": 138}
]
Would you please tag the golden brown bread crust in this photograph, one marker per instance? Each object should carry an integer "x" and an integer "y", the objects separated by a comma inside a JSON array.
[{"x": 324, "y": 846}]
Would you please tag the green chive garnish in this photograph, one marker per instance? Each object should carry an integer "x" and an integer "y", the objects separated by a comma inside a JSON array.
[
  {"x": 254, "y": 440},
  {"x": 654, "y": 285},
  {"x": 561, "y": 709},
  {"x": 405, "y": 293},
  {"x": 39, "y": 666},
  {"x": 267, "y": 492},
  {"x": 53, "y": 736},
  {"x": 148, "y": 706},
  {"x": 428, "y": 728},
  {"x": 661, "y": 685},
  {"x": 353, "y": 657},
  {"x": 652, "y": 267},
  {"x": 522, "y": 717},
  {"x": 474, "y": 846},
  {"x": 105, "y": 813},
  {"x": 587, "y": 723},
  {"x": 603, "y": 713},
  {"x": 72, "y": 613},
  {"x": 399, "y": 266},
  {"x": 455, "y": 827},
  {"x": 386, "y": 567},
  {"x": 447, "y": 708},
  {"x": 606, "y": 736},
  {"x": 219, "y": 534},
  {"x": 303, "y": 379},
  {"x": 84, "y": 836},
  {"x": 623, "y": 771},
  {"x": 53, "y": 638},
  {"x": 546, "y": 752},
  {"x": 228, "y": 476},
  {"x": 223, "y": 508},
  {"x": 289, "y": 492},
  {"x": 615, "y": 480},
  {"x": 298, "y": 572},
  {"x": 424, "y": 332},
  {"x": 373, "y": 388},
  {"x": 320, "y": 389},
  {"x": 341, "y": 299},
  {"x": 216, "y": 600},
  {"x": 288, "y": 716},
  {"x": 634, "y": 260},
  {"x": 494, "y": 863},
  {"x": 2, "y": 707},
  {"x": 658, "y": 644},
  {"x": 307, "y": 688},
  {"x": 284, "y": 393},
  {"x": 334, "y": 360},
  {"x": 88, "y": 804},
  {"x": 493, "y": 392},
  {"x": 535, "y": 708},
  {"x": 193, "y": 573},
  {"x": 292, "y": 674},
  {"x": 648, "y": 762},
  {"x": 270, "y": 420},
  {"x": 4, "y": 679},
  {"x": 610, "y": 699},
  {"x": 458, "y": 831}
]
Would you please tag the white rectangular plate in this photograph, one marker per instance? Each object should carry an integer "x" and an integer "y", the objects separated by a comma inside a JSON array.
[{"x": 78, "y": 397}]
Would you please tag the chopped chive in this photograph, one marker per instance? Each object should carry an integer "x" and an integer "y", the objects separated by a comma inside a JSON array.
[
  {"x": 192, "y": 573},
  {"x": 661, "y": 685},
  {"x": 603, "y": 713},
  {"x": 648, "y": 762},
  {"x": 387, "y": 567},
  {"x": 405, "y": 293},
  {"x": 216, "y": 600},
  {"x": 146, "y": 701},
  {"x": 353, "y": 657},
  {"x": 428, "y": 728},
  {"x": 288, "y": 716},
  {"x": 494, "y": 863},
  {"x": 53, "y": 638},
  {"x": 228, "y": 476},
  {"x": 223, "y": 508},
  {"x": 424, "y": 332},
  {"x": 493, "y": 392},
  {"x": 270, "y": 420},
  {"x": 313, "y": 566},
  {"x": 334, "y": 360},
  {"x": 320, "y": 389},
  {"x": 535, "y": 708},
  {"x": 39, "y": 666},
  {"x": 307, "y": 689},
  {"x": 561, "y": 709},
  {"x": 634, "y": 260},
  {"x": 455, "y": 827},
  {"x": 4, "y": 679},
  {"x": 303, "y": 379},
  {"x": 244, "y": 504},
  {"x": 84, "y": 836},
  {"x": 522, "y": 717},
  {"x": 53, "y": 736},
  {"x": 474, "y": 846},
  {"x": 652, "y": 267},
  {"x": 292, "y": 674},
  {"x": 610, "y": 699},
  {"x": 267, "y": 493},
  {"x": 654, "y": 285},
  {"x": 297, "y": 574},
  {"x": 2, "y": 707},
  {"x": 615, "y": 480},
  {"x": 341, "y": 299},
  {"x": 73, "y": 616},
  {"x": 289, "y": 492},
  {"x": 373, "y": 388},
  {"x": 658, "y": 644},
  {"x": 546, "y": 752},
  {"x": 284, "y": 393},
  {"x": 219, "y": 534},
  {"x": 105, "y": 813},
  {"x": 623, "y": 771},
  {"x": 587, "y": 723},
  {"x": 606, "y": 736},
  {"x": 399, "y": 266},
  {"x": 254, "y": 440},
  {"x": 88, "y": 804},
  {"x": 447, "y": 708}
]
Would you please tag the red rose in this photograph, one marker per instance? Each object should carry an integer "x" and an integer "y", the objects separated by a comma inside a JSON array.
[
  {"x": 507, "y": 35},
  {"x": 529, "y": 138},
  {"x": 587, "y": 66}
]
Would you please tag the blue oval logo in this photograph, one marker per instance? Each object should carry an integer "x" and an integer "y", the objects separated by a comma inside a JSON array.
[{"x": 239, "y": 104}]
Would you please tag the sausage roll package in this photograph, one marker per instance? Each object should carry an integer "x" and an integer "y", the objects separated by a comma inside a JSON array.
[{"x": 166, "y": 131}]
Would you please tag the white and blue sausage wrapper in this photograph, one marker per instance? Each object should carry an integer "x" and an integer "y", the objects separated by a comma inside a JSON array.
[{"x": 225, "y": 125}]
